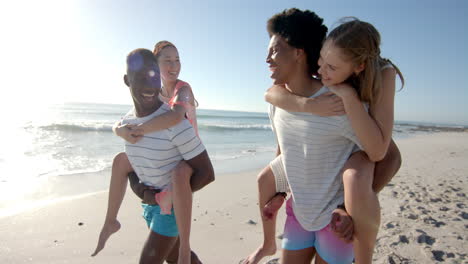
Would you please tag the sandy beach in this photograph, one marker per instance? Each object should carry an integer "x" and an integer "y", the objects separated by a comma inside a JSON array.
[{"x": 424, "y": 216}]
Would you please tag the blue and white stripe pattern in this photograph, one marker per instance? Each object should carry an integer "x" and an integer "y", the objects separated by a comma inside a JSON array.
[
  {"x": 158, "y": 153},
  {"x": 313, "y": 151}
]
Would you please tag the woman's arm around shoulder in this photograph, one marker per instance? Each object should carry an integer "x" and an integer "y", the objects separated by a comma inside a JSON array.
[
  {"x": 374, "y": 128},
  {"x": 171, "y": 118},
  {"x": 327, "y": 104}
]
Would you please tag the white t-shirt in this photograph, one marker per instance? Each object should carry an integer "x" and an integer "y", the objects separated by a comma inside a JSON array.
[
  {"x": 313, "y": 151},
  {"x": 157, "y": 153}
]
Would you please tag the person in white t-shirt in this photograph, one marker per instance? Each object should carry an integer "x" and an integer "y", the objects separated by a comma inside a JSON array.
[{"x": 311, "y": 165}]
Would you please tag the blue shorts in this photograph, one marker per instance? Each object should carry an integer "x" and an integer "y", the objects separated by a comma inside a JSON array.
[
  {"x": 330, "y": 248},
  {"x": 162, "y": 224}
]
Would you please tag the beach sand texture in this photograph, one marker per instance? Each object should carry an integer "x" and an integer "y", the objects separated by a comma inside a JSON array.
[{"x": 424, "y": 216}]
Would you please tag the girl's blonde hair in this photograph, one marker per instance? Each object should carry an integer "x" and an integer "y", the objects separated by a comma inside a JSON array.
[{"x": 360, "y": 43}]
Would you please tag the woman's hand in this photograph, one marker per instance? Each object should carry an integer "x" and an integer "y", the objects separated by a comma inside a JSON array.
[
  {"x": 343, "y": 90},
  {"x": 327, "y": 104},
  {"x": 131, "y": 133}
]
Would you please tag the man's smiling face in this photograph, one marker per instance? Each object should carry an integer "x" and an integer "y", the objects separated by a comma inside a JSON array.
[{"x": 143, "y": 78}]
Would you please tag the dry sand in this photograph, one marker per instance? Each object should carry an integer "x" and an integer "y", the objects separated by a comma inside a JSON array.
[{"x": 425, "y": 216}]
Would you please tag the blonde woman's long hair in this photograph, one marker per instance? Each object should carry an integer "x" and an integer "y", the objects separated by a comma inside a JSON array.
[{"x": 360, "y": 43}]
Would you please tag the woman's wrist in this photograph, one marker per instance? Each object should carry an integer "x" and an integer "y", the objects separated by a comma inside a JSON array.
[
  {"x": 351, "y": 97},
  {"x": 310, "y": 105}
]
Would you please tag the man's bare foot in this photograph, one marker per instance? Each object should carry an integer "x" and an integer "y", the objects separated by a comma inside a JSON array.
[
  {"x": 272, "y": 206},
  {"x": 260, "y": 253},
  {"x": 107, "y": 230}
]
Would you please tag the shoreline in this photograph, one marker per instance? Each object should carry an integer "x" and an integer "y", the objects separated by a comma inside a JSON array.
[{"x": 424, "y": 216}]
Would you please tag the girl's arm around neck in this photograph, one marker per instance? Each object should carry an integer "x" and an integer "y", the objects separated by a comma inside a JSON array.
[
  {"x": 171, "y": 118},
  {"x": 326, "y": 104},
  {"x": 374, "y": 129}
]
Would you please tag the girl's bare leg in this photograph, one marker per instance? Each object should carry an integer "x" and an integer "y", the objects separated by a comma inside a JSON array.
[
  {"x": 266, "y": 190},
  {"x": 118, "y": 184},
  {"x": 362, "y": 180},
  {"x": 362, "y": 204},
  {"x": 386, "y": 168},
  {"x": 182, "y": 201}
]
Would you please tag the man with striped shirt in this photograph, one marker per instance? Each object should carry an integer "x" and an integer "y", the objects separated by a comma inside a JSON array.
[
  {"x": 157, "y": 154},
  {"x": 311, "y": 151}
]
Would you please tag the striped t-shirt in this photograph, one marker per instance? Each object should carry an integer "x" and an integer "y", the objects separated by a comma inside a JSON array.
[
  {"x": 157, "y": 153},
  {"x": 313, "y": 150}
]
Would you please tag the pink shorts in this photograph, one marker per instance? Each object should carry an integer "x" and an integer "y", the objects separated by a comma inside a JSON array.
[{"x": 330, "y": 248}]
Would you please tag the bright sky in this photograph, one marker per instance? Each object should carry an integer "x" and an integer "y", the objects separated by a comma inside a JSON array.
[{"x": 57, "y": 51}]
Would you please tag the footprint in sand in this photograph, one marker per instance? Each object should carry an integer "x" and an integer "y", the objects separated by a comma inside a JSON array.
[
  {"x": 464, "y": 215},
  {"x": 444, "y": 209},
  {"x": 438, "y": 255},
  {"x": 412, "y": 216},
  {"x": 430, "y": 220},
  {"x": 397, "y": 259},
  {"x": 404, "y": 239},
  {"x": 426, "y": 239}
]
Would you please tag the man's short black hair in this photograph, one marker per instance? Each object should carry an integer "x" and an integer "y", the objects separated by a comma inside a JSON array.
[
  {"x": 139, "y": 57},
  {"x": 302, "y": 30}
]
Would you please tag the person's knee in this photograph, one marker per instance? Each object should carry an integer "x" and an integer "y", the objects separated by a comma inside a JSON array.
[
  {"x": 266, "y": 177},
  {"x": 358, "y": 172},
  {"x": 352, "y": 177},
  {"x": 122, "y": 163},
  {"x": 120, "y": 157},
  {"x": 357, "y": 182}
]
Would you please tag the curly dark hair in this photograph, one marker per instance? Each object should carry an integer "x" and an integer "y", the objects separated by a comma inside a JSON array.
[{"x": 302, "y": 30}]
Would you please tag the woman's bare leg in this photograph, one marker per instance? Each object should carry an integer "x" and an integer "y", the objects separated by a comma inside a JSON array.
[
  {"x": 182, "y": 200},
  {"x": 362, "y": 180},
  {"x": 362, "y": 204},
  {"x": 118, "y": 184},
  {"x": 266, "y": 190},
  {"x": 386, "y": 168}
]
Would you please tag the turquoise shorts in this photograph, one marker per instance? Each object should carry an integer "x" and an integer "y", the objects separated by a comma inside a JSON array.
[{"x": 162, "y": 224}]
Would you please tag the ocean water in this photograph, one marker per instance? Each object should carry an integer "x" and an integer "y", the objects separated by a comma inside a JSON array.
[{"x": 67, "y": 150}]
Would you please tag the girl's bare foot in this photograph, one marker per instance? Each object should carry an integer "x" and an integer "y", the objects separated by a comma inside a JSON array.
[{"x": 109, "y": 228}]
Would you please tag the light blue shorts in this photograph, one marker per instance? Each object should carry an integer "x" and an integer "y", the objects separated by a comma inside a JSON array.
[
  {"x": 330, "y": 248},
  {"x": 162, "y": 224}
]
